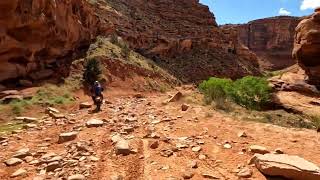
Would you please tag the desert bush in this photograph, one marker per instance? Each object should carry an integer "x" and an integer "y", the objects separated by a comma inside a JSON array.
[
  {"x": 250, "y": 92},
  {"x": 92, "y": 72}
]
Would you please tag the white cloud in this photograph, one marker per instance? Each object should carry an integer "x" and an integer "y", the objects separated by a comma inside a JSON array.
[
  {"x": 284, "y": 12},
  {"x": 309, "y": 4}
]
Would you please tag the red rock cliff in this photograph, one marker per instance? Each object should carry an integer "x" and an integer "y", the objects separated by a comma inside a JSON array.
[
  {"x": 307, "y": 47},
  {"x": 181, "y": 35},
  {"x": 271, "y": 39},
  {"x": 35, "y": 34}
]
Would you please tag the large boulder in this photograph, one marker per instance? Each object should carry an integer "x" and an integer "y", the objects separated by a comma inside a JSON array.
[
  {"x": 291, "y": 167},
  {"x": 307, "y": 46}
]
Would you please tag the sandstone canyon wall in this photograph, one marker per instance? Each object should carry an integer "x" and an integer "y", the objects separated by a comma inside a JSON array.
[
  {"x": 34, "y": 34},
  {"x": 271, "y": 39},
  {"x": 180, "y": 35},
  {"x": 307, "y": 47}
]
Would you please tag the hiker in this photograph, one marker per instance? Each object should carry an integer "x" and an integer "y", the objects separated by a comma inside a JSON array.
[{"x": 96, "y": 91}]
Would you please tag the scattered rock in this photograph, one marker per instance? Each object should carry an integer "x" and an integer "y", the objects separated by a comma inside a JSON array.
[
  {"x": 166, "y": 153},
  {"x": 77, "y": 177},
  {"x": 52, "y": 110},
  {"x": 210, "y": 176},
  {"x": 227, "y": 146},
  {"x": 202, "y": 157},
  {"x": 27, "y": 119},
  {"x": 128, "y": 129},
  {"x": 184, "y": 107},
  {"x": 29, "y": 126},
  {"x": 187, "y": 174},
  {"x": 291, "y": 167},
  {"x": 245, "y": 172},
  {"x": 56, "y": 115},
  {"x": 85, "y": 105},
  {"x": 22, "y": 153},
  {"x": 153, "y": 144},
  {"x": 176, "y": 97},
  {"x": 94, "y": 159},
  {"x": 13, "y": 161},
  {"x": 196, "y": 149},
  {"x": 258, "y": 149},
  {"x": 94, "y": 123},
  {"x": 19, "y": 172},
  {"x": 242, "y": 134},
  {"x": 278, "y": 151},
  {"x": 193, "y": 164},
  {"x": 52, "y": 166},
  {"x": 122, "y": 147},
  {"x": 139, "y": 96},
  {"x": 65, "y": 137},
  {"x": 117, "y": 177}
]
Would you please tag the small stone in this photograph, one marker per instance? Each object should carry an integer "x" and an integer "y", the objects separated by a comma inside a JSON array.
[
  {"x": 258, "y": 149},
  {"x": 52, "y": 166},
  {"x": 22, "y": 153},
  {"x": 65, "y": 137},
  {"x": 279, "y": 151},
  {"x": 29, "y": 126},
  {"x": 227, "y": 146},
  {"x": 122, "y": 147},
  {"x": 94, "y": 159},
  {"x": 202, "y": 157},
  {"x": 28, "y": 159},
  {"x": 242, "y": 134},
  {"x": 85, "y": 105},
  {"x": 187, "y": 174},
  {"x": 210, "y": 176},
  {"x": 13, "y": 161},
  {"x": 77, "y": 177},
  {"x": 245, "y": 172},
  {"x": 196, "y": 149},
  {"x": 27, "y": 119},
  {"x": 54, "y": 110},
  {"x": 153, "y": 144},
  {"x": 184, "y": 107},
  {"x": 19, "y": 172},
  {"x": 193, "y": 164},
  {"x": 128, "y": 129},
  {"x": 94, "y": 123},
  {"x": 166, "y": 153},
  {"x": 25, "y": 83}
]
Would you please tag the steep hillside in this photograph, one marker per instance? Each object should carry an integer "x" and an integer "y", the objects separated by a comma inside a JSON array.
[
  {"x": 271, "y": 39},
  {"x": 180, "y": 35}
]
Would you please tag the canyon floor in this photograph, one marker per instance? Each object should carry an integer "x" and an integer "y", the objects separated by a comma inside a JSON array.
[{"x": 164, "y": 142}]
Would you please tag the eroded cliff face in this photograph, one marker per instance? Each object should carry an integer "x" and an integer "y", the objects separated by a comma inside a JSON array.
[
  {"x": 180, "y": 35},
  {"x": 271, "y": 39},
  {"x": 36, "y": 34},
  {"x": 307, "y": 47}
]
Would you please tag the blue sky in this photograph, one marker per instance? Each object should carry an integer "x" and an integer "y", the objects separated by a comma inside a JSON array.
[{"x": 242, "y": 11}]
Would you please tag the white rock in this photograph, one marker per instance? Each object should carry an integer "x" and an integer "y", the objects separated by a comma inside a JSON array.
[
  {"x": 19, "y": 172},
  {"x": 77, "y": 177},
  {"x": 13, "y": 161},
  {"x": 94, "y": 123}
]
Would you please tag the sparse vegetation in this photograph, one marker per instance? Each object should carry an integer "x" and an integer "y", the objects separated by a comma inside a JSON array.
[
  {"x": 250, "y": 92},
  {"x": 92, "y": 71},
  {"x": 47, "y": 95}
]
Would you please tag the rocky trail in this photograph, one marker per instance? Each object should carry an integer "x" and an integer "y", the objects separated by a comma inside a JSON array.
[{"x": 146, "y": 137}]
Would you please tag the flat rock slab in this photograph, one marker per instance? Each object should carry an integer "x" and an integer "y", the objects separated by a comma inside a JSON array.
[
  {"x": 77, "y": 177},
  {"x": 27, "y": 119},
  {"x": 259, "y": 149},
  {"x": 65, "y": 137},
  {"x": 13, "y": 161},
  {"x": 122, "y": 147},
  {"x": 22, "y": 153},
  {"x": 85, "y": 105},
  {"x": 19, "y": 172},
  {"x": 94, "y": 123},
  {"x": 291, "y": 167}
]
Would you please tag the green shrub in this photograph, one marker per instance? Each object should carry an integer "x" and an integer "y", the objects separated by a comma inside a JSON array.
[
  {"x": 250, "y": 92},
  {"x": 92, "y": 71},
  {"x": 216, "y": 89}
]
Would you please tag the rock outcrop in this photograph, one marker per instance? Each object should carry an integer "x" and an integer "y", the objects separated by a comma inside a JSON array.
[
  {"x": 291, "y": 167},
  {"x": 37, "y": 34},
  {"x": 307, "y": 47},
  {"x": 180, "y": 35},
  {"x": 271, "y": 39}
]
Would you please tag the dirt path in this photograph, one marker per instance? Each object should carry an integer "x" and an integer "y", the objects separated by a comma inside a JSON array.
[{"x": 143, "y": 122}]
